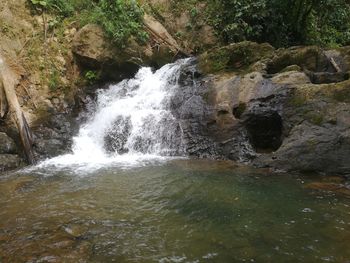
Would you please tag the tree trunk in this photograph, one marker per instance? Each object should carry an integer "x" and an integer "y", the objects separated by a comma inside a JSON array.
[
  {"x": 8, "y": 81},
  {"x": 3, "y": 102}
]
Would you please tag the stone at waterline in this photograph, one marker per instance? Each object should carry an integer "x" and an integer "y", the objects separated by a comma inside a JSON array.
[
  {"x": 9, "y": 161},
  {"x": 7, "y": 145}
]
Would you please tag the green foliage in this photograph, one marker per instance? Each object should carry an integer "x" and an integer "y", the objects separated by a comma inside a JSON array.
[
  {"x": 282, "y": 22},
  {"x": 279, "y": 22},
  {"x": 329, "y": 24},
  {"x": 39, "y": 3},
  {"x": 235, "y": 57},
  {"x": 121, "y": 19},
  {"x": 54, "y": 80},
  {"x": 238, "y": 20},
  {"x": 342, "y": 95},
  {"x": 91, "y": 76},
  {"x": 315, "y": 118}
]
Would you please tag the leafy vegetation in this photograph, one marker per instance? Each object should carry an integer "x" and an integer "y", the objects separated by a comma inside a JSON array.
[
  {"x": 91, "y": 76},
  {"x": 282, "y": 22},
  {"x": 120, "y": 19},
  {"x": 279, "y": 22}
]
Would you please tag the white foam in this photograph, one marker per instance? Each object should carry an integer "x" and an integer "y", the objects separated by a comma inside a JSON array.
[{"x": 141, "y": 103}]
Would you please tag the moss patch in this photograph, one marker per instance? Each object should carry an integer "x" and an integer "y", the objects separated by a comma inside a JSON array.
[
  {"x": 234, "y": 57},
  {"x": 342, "y": 95},
  {"x": 310, "y": 58},
  {"x": 315, "y": 118}
]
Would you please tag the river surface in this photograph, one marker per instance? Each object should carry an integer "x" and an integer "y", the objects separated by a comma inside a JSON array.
[{"x": 171, "y": 210}]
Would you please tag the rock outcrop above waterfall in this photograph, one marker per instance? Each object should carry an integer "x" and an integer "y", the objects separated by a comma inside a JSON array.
[
  {"x": 94, "y": 50},
  {"x": 268, "y": 111}
]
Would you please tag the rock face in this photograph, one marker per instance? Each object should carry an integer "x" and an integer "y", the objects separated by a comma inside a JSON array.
[
  {"x": 9, "y": 162},
  {"x": 7, "y": 145},
  {"x": 54, "y": 137},
  {"x": 8, "y": 157},
  {"x": 187, "y": 22},
  {"x": 94, "y": 50},
  {"x": 237, "y": 56},
  {"x": 271, "y": 115}
]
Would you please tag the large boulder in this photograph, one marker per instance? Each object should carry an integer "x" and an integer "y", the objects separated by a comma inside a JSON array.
[
  {"x": 94, "y": 50},
  {"x": 316, "y": 120},
  {"x": 235, "y": 57},
  {"x": 91, "y": 46},
  {"x": 310, "y": 58}
]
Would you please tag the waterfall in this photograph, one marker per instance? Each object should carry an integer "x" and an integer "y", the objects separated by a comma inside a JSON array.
[{"x": 132, "y": 120}]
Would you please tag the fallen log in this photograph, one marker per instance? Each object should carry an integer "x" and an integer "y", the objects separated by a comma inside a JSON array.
[
  {"x": 335, "y": 65},
  {"x": 8, "y": 82}
]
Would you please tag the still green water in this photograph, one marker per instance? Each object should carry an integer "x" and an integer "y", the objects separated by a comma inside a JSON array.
[{"x": 175, "y": 211}]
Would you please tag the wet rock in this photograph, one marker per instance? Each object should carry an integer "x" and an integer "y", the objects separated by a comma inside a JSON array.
[
  {"x": 312, "y": 148},
  {"x": 75, "y": 231},
  {"x": 334, "y": 179},
  {"x": 10, "y": 161},
  {"x": 278, "y": 118},
  {"x": 117, "y": 136},
  {"x": 54, "y": 136},
  {"x": 341, "y": 189},
  {"x": 7, "y": 145}
]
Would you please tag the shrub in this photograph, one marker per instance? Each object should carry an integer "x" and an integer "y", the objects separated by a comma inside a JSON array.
[
  {"x": 282, "y": 22},
  {"x": 121, "y": 19}
]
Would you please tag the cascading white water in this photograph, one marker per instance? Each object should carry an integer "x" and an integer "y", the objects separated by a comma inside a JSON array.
[{"x": 132, "y": 121}]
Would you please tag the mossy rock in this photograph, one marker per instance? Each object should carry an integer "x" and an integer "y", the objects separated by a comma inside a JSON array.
[
  {"x": 234, "y": 57},
  {"x": 345, "y": 56},
  {"x": 310, "y": 58},
  {"x": 334, "y": 93},
  {"x": 291, "y": 68}
]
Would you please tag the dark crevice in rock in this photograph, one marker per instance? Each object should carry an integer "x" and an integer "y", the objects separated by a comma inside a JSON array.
[
  {"x": 265, "y": 131},
  {"x": 239, "y": 110},
  {"x": 222, "y": 112}
]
